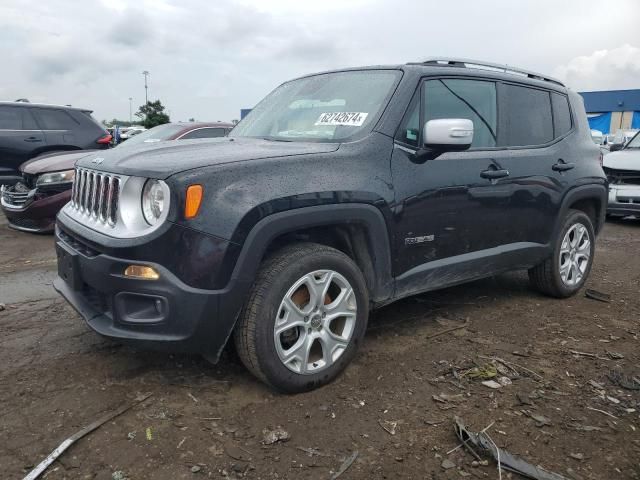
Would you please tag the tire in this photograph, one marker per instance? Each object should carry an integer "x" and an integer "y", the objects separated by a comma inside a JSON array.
[
  {"x": 548, "y": 277},
  {"x": 306, "y": 354}
]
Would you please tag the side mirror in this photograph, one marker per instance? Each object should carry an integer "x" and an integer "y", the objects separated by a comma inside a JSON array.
[
  {"x": 446, "y": 135},
  {"x": 614, "y": 147}
]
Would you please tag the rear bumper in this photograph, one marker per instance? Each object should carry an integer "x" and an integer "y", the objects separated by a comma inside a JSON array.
[
  {"x": 624, "y": 200},
  {"x": 163, "y": 314},
  {"x": 37, "y": 216}
]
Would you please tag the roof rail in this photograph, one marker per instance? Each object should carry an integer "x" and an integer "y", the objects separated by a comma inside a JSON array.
[{"x": 481, "y": 65}]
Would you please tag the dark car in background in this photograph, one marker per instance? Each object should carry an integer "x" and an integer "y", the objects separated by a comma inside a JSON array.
[
  {"x": 28, "y": 130},
  {"x": 32, "y": 203}
]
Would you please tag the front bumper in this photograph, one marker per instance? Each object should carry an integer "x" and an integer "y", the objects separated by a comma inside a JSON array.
[
  {"x": 164, "y": 314},
  {"x": 624, "y": 200},
  {"x": 37, "y": 214}
]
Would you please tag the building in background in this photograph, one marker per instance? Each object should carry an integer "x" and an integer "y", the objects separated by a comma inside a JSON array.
[{"x": 613, "y": 110}]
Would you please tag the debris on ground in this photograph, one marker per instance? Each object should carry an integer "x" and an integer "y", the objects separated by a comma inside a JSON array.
[
  {"x": 345, "y": 465},
  {"x": 481, "y": 443},
  {"x": 196, "y": 469},
  {"x": 35, "y": 473},
  {"x": 541, "y": 420},
  {"x": 118, "y": 475},
  {"x": 492, "y": 384},
  {"x": 389, "y": 426},
  {"x": 2, "y": 307},
  {"x": 449, "y": 330},
  {"x": 279, "y": 434},
  {"x": 485, "y": 372},
  {"x": 596, "y": 295},
  {"x": 627, "y": 382},
  {"x": 447, "y": 464},
  {"x": 577, "y": 456}
]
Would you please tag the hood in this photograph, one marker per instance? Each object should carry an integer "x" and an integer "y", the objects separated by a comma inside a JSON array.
[
  {"x": 54, "y": 162},
  {"x": 622, "y": 160},
  {"x": 162, "y": 159}
]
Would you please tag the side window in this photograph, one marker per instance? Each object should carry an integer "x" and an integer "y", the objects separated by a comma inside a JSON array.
[
  {"x": 204, "y": 133},
  {"x": 10, "y": 118},
  {"x": 16, "y": 119},
  {"x": 409, "y": 131},
  {"x": 459, "y": 98},
  {"x": 51, "y": 119},
  {"x": 561, "y": 114},
  {"x": 526, "y": 116}
]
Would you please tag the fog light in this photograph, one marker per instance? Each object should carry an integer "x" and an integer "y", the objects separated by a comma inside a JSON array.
[{"x": 141, "y": 271}]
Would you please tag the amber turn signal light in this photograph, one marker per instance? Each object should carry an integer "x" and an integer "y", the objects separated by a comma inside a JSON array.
[
  {"x": 142, "y": 272},
  {"x": 192, "y": 203}
]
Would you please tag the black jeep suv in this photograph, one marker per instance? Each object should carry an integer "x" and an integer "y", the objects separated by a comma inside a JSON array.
[
  {"x": 340, "y": 192},
  {"x": 28, "y": 130}
]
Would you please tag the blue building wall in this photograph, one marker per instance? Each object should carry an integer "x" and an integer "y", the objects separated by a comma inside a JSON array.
[
  {"x": 612, "y": 110},
  {"x": 611, "y": 101}
]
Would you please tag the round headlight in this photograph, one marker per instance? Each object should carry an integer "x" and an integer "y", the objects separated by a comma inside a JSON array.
[{"x": 153, "y": 201}]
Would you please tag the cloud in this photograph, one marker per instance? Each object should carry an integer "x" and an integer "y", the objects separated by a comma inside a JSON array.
[
  {"x": 208, "y": 59},
  {"x": 132, "y": 29},
  {"x": 615, "y": 69}
]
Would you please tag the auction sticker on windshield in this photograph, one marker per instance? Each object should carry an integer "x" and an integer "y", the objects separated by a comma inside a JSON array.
[{"x": 351, "y": 119}]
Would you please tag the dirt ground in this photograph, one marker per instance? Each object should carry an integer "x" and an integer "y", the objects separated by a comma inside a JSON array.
[{"x": 394, "y": 406}]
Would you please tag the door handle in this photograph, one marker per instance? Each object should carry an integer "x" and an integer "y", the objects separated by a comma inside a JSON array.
[
  {"x": 562, "y": 166},
  {"x": 32, "y": 139},
  {"x": 492, "y": 174}
]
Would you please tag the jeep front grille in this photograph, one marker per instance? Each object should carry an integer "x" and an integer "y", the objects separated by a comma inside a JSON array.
[{"x": 96, "y": 194}]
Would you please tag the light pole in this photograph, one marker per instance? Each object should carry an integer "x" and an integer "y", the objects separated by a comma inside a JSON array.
[
  {"x": 146, "y": 88},
  {"x": 130, "y": 117}
]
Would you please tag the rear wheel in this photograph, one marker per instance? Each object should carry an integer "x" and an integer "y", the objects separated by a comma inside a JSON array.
[
  {"x": 305, "y": 318},
  {"x": 566, "y": 271}
]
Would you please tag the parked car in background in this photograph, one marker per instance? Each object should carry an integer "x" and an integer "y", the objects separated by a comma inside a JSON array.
[
  {"x": 597, "y": 137},
  {"x": 623, "y": 172},
  {"x": 340, "y": 192},
  {"x": 621, "y": 138},
  {"x": 28, "y": 130},
  {"x": 32, "y": 203}
]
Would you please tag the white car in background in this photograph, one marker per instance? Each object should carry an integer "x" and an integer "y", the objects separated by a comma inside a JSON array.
[{"x": 622, "y": 168}]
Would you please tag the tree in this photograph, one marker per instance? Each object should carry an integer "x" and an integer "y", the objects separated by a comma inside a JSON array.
[{"x": 152, "y": 114}]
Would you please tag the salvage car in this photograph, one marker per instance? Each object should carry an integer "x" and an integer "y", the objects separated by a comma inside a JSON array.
[
  {"x": 30, "y": 130},
  {"x": 623, "y": 172},
  {"x": 32, "y": 203},
  {"x": 339, "y": 193}
]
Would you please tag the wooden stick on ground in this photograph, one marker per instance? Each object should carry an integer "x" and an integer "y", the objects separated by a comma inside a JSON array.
[{"x": 42, "y": 466}]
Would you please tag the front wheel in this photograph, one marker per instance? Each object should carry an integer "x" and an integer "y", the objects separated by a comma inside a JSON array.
[
  {"x": 566, "y": 271},
  {"x": 305, "y": 317}
]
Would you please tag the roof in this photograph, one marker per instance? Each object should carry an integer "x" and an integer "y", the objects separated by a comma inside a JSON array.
[
  {"x": 458, "y": 68},
  {"x": 43, "y": 105},
  {"x": 611, "y": 101}
]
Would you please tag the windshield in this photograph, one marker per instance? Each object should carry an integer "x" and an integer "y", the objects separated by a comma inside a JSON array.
[
  {"x": 155, "y": 134},
  {"x": 327, "y": 107},
  {"x": 634, "y": 142}
]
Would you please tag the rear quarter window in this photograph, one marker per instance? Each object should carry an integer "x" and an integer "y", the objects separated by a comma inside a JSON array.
[
  {"x": 561, "y": 114},
  {"x": 526, "y": 116},
  {"x": 53, "y": 119},
  {"x": 206, "y": 132}
]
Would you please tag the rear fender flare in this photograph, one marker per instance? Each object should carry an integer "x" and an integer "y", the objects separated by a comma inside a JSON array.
[{"x": 585, "y": 192}]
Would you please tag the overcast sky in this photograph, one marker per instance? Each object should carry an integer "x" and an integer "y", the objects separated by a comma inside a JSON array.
[{"x": 209, "y": 58}]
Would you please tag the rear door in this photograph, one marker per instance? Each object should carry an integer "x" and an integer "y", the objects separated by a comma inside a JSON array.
[
  {"x": 19, "y": 137},
  {"x": 536, "y": 157},
  {"x": 58, "y": 126}
]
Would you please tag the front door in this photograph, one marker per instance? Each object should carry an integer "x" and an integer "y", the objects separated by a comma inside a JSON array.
[{"x": 451, "y": 212}]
